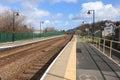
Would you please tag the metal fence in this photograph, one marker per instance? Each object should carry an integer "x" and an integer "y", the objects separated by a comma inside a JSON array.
[
  {"x": 109, "y": 48},
  {"x": 8, "y": 37}
]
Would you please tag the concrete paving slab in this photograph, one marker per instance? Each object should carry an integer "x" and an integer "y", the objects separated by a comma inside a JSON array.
[
  {"x": 23, "y": 42},
  {"x": 93, "y": 65},
  {"x": 59, "y": 69}
]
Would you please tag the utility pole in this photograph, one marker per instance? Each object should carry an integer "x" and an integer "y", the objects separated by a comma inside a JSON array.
[{"x": 41, "y": 22}]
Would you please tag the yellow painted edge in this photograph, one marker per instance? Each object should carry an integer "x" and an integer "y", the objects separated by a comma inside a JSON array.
[{"x": 71, "y": 67}]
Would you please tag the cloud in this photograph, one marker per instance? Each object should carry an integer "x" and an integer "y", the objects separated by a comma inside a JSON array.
[
  {"x": 2, "y": 8},
  {"x": 75, "y": 18},
  {"x": 33, "y": 14},
  {"x": 66, "y": 23},
  {"x": 48, "y": 23},
  {"x": 70, "y": 16},
  {"x": 30, "y": 9},
  {"x": 21, "y": 1},
  {"x": 57, "y": 16},
  {"x": 67, "y": 1},
  {"x": 34, "y": 17},
  {"x": 102, "y": 11}
]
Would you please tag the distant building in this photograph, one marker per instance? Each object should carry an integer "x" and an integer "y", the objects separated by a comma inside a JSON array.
[{"x": 108, "y": 30}]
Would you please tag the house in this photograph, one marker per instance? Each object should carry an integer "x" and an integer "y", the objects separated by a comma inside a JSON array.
[{"x": 109, "y": 30}]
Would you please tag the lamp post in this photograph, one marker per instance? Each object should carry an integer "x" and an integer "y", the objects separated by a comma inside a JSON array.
[
  {"x": 84, "y": 22},
  {"x": 41, "y": 22},
  {"x": 93, "y": 27},
  {"x": 13, "y": 31}
]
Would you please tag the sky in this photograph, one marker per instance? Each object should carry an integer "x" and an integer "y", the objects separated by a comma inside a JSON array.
[{"x": 63, "y": 14}]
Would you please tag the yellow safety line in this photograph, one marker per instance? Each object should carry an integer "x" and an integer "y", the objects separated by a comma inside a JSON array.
[{"x": 71, "y": 67}]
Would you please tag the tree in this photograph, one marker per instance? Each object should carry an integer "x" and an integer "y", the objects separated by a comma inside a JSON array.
[
  {"x": 50, "y": 29},
  {"x": 6, "y": 23}
]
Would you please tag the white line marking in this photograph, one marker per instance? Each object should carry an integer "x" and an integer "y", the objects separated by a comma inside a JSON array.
[
  {"x": 42, "y": 78},
  {"x": 5, "y": 47},
  {"x": 24, "y": 43}
]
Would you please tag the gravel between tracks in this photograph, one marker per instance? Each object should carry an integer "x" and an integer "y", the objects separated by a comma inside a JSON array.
[{"x": 24, "y": 63}]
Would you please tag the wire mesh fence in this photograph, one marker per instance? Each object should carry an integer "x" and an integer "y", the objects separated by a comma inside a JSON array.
[{"x": 8, "y": 37}]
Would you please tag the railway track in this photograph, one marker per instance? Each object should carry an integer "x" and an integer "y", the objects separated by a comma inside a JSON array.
[{"x": 30, "y": 61}]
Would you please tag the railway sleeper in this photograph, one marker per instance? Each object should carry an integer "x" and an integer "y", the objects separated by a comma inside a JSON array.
[
  {"x": 34, "y": 68},
  {"x": 31, "y": 71},
  {"x": 23, "y": 77}
]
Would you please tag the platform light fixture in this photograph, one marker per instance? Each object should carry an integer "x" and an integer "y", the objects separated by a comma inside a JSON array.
[{"x": 93, "y": 27}]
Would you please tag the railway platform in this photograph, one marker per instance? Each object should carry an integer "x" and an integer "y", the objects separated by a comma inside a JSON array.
[
  {"x": 23, "y": 42},
  {"x": 64, "y": 66},
  {"x": 94, "y": 65},
  {"x": 77, "y": 61},
  {"x": 81, "y": 61}
]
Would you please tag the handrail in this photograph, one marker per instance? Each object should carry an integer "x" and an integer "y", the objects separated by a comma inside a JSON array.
[
  {"x": 102, "y": 46},
  {"x": 110, "y": 40}
]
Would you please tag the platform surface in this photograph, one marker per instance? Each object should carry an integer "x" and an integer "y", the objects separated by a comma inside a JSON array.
[
  {"x": 64, "y": 68},
  {"x": 93, "y": 65},
  {"x": 23, "y": 42}
]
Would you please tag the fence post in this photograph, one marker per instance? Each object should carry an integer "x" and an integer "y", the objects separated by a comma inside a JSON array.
[
  {"x": 110, "y": 48},
  {"x": 104, "y": 46},
  {"x": 91, "y": 40},
  {"x": 96, "y": 41},
  {"x": 99, "y": 43}
]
